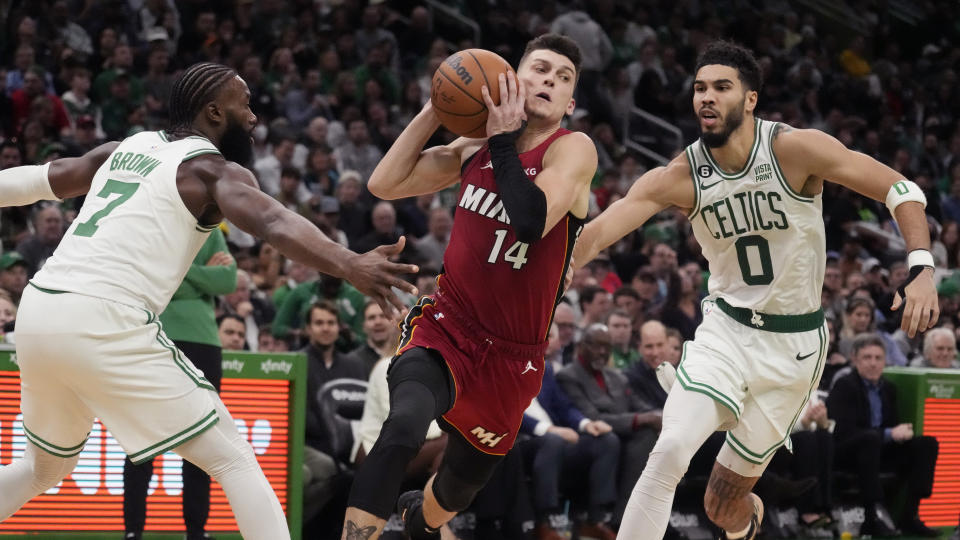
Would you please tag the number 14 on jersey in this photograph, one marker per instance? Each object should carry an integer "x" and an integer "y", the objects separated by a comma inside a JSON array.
[{"x": 517, "y": 254}]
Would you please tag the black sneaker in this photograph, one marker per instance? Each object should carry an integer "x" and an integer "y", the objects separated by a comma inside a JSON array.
[
  {"x": 408, "y": 503},
  {"x": 132, "y": 536},
  {"x": 201, "y": 536}
]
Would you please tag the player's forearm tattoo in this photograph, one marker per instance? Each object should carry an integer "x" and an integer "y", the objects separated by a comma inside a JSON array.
[
  {"x": 728, "y": 494},
  {"x": 354, "y": 532}
]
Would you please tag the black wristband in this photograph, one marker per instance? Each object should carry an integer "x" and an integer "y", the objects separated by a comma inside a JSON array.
[{"x": 915, "y": 271}]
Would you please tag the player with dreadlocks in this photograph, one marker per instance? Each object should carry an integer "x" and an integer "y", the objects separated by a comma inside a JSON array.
[{"x": 88, "y": 340}]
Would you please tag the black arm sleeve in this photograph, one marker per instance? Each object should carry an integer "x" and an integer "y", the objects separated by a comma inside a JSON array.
[{"x": 525, "y": 203}]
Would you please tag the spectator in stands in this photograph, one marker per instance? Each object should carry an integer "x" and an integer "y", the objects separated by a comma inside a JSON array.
[
  {"x": 858, "y": 318},
  {"x": 324, "y": 364},
  {"x": 158, "y": 83},
  {"x": 381, "y": 339},
  {"x": 643, "y": 375},
  {"x": 628, "y": 299},
  {"x": 939, "y": 350},
  {"x": 625, "y": 354},
  {"x": 77, "y": 100},
  {"x": 663, "y": 263},
  {"x": 674, "y": 349},
  {"x": 266, "y": 343},
  {"x": 121, "y": 62},
  {"x": 73, "y": 35},
  {"x": 305, "y": 101},
  {"x": 356, "y": 153},
  {"x": 603, "y": 393},
  {"x": 565, "y": 320},
  {"x": 34, "y": 91},
  {"x": 562, "y": 443},
  {"x": 385, "y": 231},
  {"x": 48, "y": 224},
  {"x": 681, "y": 310},
  {"x": 270, "y": 168},
  {"x": 870, "y": 438},
  {"x": 292, "y": 314},
  {"x": 413, "y": 214},
  {"x": 595, "y": 304},
  {"x": 232, "y": 332},
  {"x": 432, "y": 246},
  {"x": 8, "y": 318},
  {"x": 251, "y": 308},
  {"x": 354, "y": 212},
  {"x": 321, "y": 176},
  {"x": 10, "y": 155},
  {"x": 13, "y": 275},
  {"x": 293, "y": 194}
]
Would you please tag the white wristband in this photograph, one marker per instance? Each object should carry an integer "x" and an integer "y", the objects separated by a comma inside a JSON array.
[
  {"x": 904, "y": 191},
  {"x": 920, "y": 257}
]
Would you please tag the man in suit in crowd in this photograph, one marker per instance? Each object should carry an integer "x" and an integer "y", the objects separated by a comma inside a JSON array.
[
  {"x": 870, "y": 438},
  {"x": 603, "y": 393}
]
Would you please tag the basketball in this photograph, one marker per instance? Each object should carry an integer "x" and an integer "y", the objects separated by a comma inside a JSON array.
[{"x": 456, "y": 87}]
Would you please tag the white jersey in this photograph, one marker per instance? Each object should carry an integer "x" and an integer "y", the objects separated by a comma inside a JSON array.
[
  {"x": 765, "y": 242},
  {"x": 134, "y": 239}
]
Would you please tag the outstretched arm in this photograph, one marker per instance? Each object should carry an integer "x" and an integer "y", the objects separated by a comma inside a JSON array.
[
  {"x": 236, "y": 193},
  {"x": 652, "y": 192},
  {"x": 60, "y": 179},
  {"x": 818, "y": 154}
]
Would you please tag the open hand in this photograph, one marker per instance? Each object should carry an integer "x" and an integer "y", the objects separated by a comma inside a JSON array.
[
  {"x": 373, "y": 275},
  {"x": 509, "y": 115}
]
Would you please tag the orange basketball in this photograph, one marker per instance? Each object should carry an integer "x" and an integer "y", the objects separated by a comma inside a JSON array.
[{"x": 456, "y": 93}]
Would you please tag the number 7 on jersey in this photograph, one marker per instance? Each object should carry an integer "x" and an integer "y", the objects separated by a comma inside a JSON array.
[{"x": 124, "y": 189}]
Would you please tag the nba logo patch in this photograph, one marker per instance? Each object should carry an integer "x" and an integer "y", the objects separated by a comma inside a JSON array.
[{"x": 707, "y": 307}]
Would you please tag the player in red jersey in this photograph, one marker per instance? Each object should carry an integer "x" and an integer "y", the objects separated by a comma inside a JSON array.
[{"x": 471, "y": 355}]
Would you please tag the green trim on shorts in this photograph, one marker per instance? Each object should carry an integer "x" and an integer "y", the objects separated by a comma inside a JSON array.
[
  {"x": 48, "y": 291},
  {"x": 742, "y": 449},
  {"x": 163, "y": 446},
  {"x": 202, "y": 382},
  {"x": 768, "y": 322},
  {"x": 50, "y": 448},
  {"x": 702, "y": 388}
]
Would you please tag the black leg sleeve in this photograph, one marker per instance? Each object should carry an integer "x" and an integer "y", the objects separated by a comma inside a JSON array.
[{"x": 420, "y": 390}]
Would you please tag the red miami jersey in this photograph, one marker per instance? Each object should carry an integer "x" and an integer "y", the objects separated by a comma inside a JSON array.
[{"x": 508, "y": 287}]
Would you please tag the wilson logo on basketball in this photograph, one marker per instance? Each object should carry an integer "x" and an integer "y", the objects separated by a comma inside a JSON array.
[{"x": 454, "y": 62}]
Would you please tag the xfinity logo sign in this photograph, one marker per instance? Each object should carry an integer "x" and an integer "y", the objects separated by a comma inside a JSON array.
[
  {"x": 270, "y": 366},
  {"x": 942, "y": 391}
]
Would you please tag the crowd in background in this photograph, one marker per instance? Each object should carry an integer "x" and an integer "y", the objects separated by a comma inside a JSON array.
[{"x": 333, "y": 82}]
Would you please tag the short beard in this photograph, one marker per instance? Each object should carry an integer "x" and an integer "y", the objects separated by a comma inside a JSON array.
[
  {"x": 235, "y": 144},
  {"x": 731, "y": 122}
]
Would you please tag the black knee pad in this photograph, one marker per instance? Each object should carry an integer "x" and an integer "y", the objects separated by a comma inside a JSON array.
[
  {"x": 454, "y": 494},
  {"x": 463, "y": 472}
]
